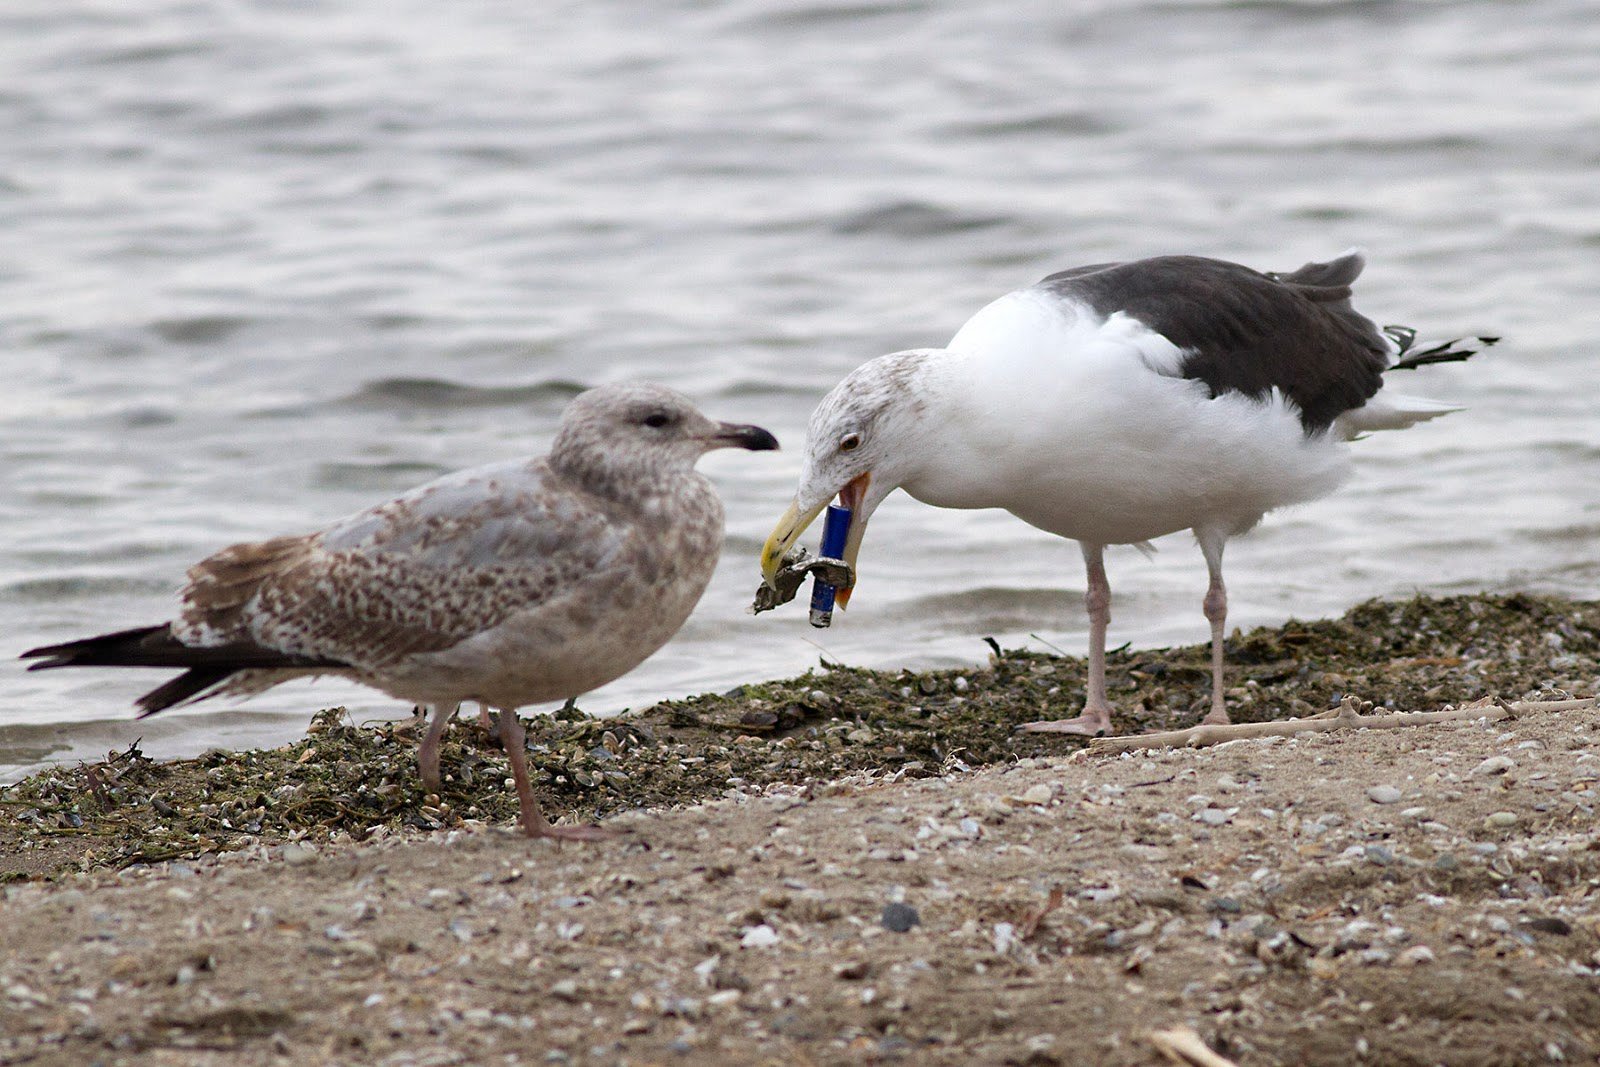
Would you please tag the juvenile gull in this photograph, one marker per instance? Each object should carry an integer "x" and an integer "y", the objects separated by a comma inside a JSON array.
[
  {"x": 1115, "y": 403},
  {"x": 512, "y": 584}
]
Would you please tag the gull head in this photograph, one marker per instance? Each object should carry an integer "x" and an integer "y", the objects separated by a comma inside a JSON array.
[
  {"x": 629, "y": 430},
  {"x": 862, "y": 443}
]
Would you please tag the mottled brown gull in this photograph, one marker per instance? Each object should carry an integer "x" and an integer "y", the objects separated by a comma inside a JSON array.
[{"x": 512, "y": 584}]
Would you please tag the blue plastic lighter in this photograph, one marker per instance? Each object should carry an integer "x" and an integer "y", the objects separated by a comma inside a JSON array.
[{"x": 835, "y": 528}]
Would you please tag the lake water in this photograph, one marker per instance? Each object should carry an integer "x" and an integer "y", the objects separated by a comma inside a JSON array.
[{"x": 264, "y": 263}]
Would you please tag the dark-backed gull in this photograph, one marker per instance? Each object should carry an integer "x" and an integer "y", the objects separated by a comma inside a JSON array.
[
  {"x": 1115, "y": 403},
  {"x": 512, "y": 584}
]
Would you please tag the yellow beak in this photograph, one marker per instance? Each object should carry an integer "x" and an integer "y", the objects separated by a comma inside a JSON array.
[
  {"x": 784, "y": 535},
  {"x": 794, "y": 523}
]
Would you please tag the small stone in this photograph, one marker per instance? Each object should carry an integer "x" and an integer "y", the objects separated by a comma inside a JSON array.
[
  {"x": 1500, "y": 820},
  {"x": 1384, "y": 794},
  {"x": 1037, "y": 795},
  {"x": 900, "y": 917},
  {"x": 1213, "y": 816},
  {"x": 1414, "y": 814},
  {"x": 1493, "y": 765},
  {"x": 1379, "y": 855},
  {"x": 762, "y": 936},
  {"x": 853, "y": 971},
  {"x": 296, "y": 854},
  {"x": 1415, "y": 956},
  {"x": 1549, "y": 924},
  {"x": 566, "y": 989},
  {"x": 1322, "y": 967}
]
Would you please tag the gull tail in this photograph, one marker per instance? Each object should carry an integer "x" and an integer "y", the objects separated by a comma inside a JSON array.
[
  {"x": 1395, "y": 411},
  {"x": 1409, "y": 357},
  {"x": 154, "y": 646}
]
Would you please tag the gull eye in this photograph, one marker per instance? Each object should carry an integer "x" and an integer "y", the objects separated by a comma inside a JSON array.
[
  {"x": 657, "y": 419},
  {"x": 849, "y": 442}
]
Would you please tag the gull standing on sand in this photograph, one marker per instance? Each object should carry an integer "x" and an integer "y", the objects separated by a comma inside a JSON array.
[
  {"x": 518, "y": 583},
  {"x": 1115, "y": 403}
]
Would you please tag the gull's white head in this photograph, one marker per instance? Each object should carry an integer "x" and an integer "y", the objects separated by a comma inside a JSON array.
[{"x": 862, "y": 443}]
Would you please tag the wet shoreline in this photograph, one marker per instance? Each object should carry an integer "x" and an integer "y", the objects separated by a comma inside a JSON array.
[{"x": 348, "y": 780}]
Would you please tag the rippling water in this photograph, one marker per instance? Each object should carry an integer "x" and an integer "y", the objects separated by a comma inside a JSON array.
[{"x": 268, "y": 262}]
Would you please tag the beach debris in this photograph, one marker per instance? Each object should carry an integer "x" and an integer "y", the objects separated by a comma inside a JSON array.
[
  {"x": 798, "y": 565},
  {"x": 762, "y": 936},
  {"x": 1030, "y": 922},
  {"x": 1182, "y": 1045},
  {"x": 1347, "y": 717},
  {"x": 1492, "y": 766}
]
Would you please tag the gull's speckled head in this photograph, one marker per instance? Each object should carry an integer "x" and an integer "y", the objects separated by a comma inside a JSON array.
[
  {"x": 632, "y": 429},
  {"x": 859, "y": 447}
]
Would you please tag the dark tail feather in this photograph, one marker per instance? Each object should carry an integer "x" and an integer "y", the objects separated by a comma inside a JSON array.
[
  {"x": 190, "y": 683},
  {"x": 147, "y": 646},
  {"x": 1405, "y": 338},
  {"x": 154, "y": 646}
]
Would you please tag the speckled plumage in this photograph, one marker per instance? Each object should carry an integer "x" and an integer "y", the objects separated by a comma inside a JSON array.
[{"x": 511, "y": 584}]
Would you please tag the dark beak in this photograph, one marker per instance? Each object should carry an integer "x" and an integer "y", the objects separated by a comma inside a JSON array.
[{"x": 754, "y": 438}]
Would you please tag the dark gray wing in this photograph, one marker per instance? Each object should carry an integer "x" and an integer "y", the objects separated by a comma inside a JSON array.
[{"x": 1247, "y": 332}]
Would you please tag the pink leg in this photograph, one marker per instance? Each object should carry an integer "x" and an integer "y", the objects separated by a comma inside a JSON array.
[
  {"x": 1096, "y": 717},
  {"x": 1216, "y": 609},
  {"x": 534, "y": 824},
  {"x": 428, "y": 753}
]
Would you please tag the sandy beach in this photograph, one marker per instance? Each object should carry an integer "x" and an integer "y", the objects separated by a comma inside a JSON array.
[{"x": 858, "y": 867}]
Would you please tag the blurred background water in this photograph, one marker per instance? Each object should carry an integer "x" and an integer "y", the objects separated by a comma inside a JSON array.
[{"x": 264, "y": 263}]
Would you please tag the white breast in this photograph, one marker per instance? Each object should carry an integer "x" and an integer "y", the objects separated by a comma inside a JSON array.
[{"x": 1078, "y": 425}]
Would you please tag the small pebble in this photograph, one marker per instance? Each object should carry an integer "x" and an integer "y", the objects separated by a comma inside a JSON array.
[
  {"x": 1493, "y": 765},
  {"x": 1415, "y": 956},
  {"x": 762, "y": 936},
  {"x": 1384, "y": 794},
  {"x": 1213, "y": 816},
  {"x": 1040, "y": 794},
  {"x": 296, "y": 854},
  {"x": 900, "y": 917},
  {"x": 1500, "y": 820}
]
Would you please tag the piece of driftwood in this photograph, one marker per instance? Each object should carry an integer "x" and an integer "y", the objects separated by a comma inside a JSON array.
[
  {"x": 1183, "y": 1046},
  {"x": 1347, "y": 717}
]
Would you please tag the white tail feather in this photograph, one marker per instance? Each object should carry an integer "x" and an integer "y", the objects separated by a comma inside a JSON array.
[{"x": 1392, "y": 411}]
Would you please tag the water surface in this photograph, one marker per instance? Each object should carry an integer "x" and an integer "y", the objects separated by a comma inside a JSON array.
[{"x": 266, "y": 263}]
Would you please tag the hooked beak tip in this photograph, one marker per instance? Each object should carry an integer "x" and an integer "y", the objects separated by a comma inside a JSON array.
[{"x": 751, "y": 438}]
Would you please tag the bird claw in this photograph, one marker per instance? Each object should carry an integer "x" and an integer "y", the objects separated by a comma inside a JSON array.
[
  {"x": 799, "y": 565},
  {"x": 1083, "y": 726}
]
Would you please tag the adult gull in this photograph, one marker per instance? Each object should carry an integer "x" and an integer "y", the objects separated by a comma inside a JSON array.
[
  {"x": 1115, "y": 403},
  {"x": 511, "y": 584}
]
